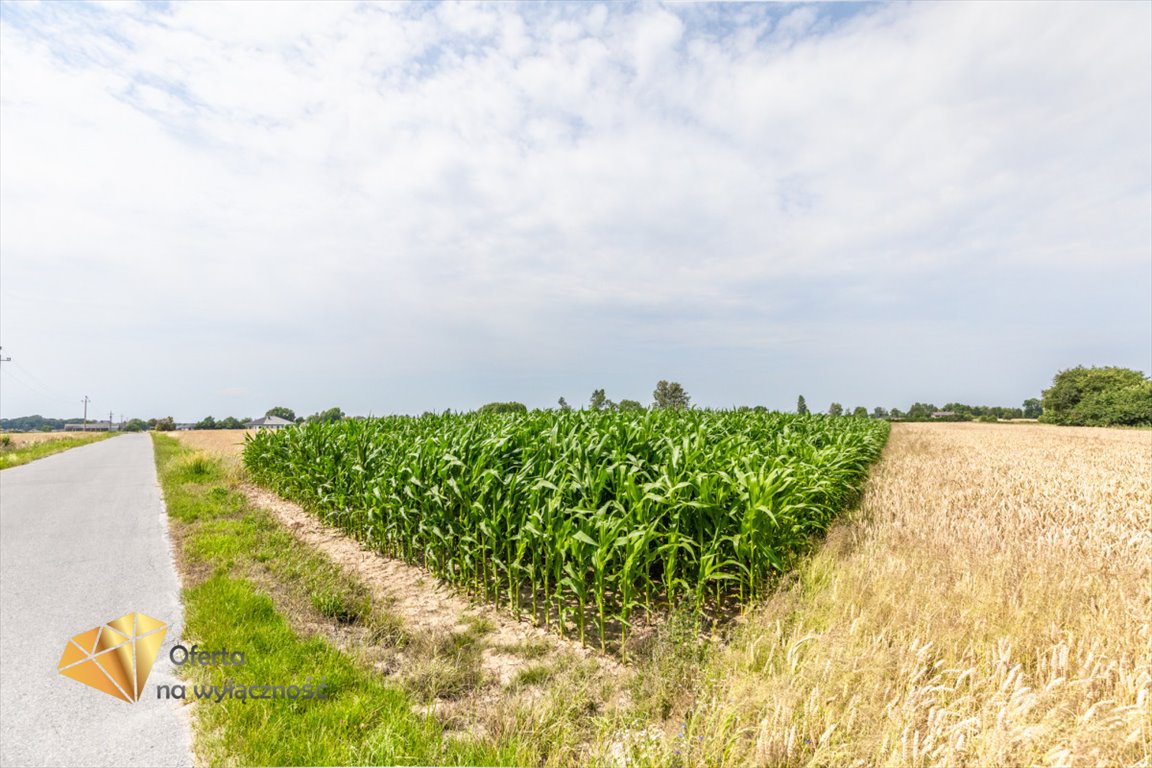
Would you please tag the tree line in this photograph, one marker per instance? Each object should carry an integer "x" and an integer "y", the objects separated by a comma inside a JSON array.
[
  {"x": 1090, "y": 397},
  {"x": 329, "y": 416},
  {"x": 1081, "y": 396},
  {"x": 37, "y": 423},
  {"x": 668, "y": 394}
]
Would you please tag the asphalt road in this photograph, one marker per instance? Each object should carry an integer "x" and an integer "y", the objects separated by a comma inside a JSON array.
[{"x": 83, "y": 541}]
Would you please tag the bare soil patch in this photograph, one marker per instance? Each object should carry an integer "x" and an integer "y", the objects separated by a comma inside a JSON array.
[{"x": 424, "y": 603}]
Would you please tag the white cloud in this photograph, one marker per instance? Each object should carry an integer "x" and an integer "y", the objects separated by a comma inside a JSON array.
[{"x": 486, "y": 182}]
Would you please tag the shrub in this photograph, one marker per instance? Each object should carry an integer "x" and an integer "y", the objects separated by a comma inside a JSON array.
[{"x": 1098, "y": 397}]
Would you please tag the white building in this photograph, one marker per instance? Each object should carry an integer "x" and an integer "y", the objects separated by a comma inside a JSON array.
[{"x": 269, "y": 422}]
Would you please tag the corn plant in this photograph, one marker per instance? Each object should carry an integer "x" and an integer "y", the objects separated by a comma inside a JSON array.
[{"x": 584, "y": 515}]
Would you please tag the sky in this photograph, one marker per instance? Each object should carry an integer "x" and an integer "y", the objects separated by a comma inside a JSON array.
[{"x": 216, "y": 208}]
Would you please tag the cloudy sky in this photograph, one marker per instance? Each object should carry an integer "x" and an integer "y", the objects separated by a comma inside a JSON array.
[{"x": 213, "y": 208}]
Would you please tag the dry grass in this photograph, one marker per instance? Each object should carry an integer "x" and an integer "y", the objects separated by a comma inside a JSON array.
[
  {"x": 225, "y": 443},
  {"x": 21, "y": 439},
  {"x": 989, "y": 604},
  {"x": 18, "y": 449}
]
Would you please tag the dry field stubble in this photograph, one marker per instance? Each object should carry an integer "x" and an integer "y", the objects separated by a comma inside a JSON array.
[
  {"x": 30, "y": 438},
  {"x": 990, "y": 603},
  {"x": 225, "y": 443}
]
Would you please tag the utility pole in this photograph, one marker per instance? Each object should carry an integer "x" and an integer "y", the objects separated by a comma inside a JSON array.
[
  {"x": 109, "y": 421},
  {"x": 5, "y": 359},
  {"x": 85, "y": 401}
]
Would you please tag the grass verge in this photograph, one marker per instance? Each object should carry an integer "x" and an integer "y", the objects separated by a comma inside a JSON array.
[
  {"x": 13, "y": 454},
  {"x": 247, "y": 583}
]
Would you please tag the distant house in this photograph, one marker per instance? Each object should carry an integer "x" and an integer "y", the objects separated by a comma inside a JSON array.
[
  {"x": 944, "y": 414},
  {"x": 185, "y": 426},
  {"x": 269, "y": 422},
  {"x": 91, "y": 426}
]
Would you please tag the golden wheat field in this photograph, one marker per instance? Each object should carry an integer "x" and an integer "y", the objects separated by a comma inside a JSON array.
[{"x": 989, "y": 604}]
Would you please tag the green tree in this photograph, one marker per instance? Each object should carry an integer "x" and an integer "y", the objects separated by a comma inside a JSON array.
[
  {"x": 801, "y": 406},
  {"x": 879, "y": 413},
  {"x": 330, "y": 416},
  {"x": 136, "y": 425},
  {"x": 598, "y": 401},
  {"x": 207, "y": 423},
  {"x": 1098, "y": 397},
  {"x": 283, "y": 412},
  {"x": 1032, "y": 408},
  {"x": 564, "y": 407},
  {"x": 231, "y": 422},
  {"x": 35, "y": 423},
  {"x": 835, "y": 409},
  {"x": 963, "y": 412},
  {"x": 921, "y": 411},
  {"x": 1129, "y": 406},
  {"x": 509, "y": 407},
  {"x": 860, "y": 412},
  {"x": 166, "y": 424},
  {"x": 630, "y": 405},
  {"x": 670, "y": 394}
]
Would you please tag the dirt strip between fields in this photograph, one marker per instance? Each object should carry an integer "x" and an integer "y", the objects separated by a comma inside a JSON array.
[{"x": 417, "y": 597}]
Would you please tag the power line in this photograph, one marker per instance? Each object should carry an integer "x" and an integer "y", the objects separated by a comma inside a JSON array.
[
  {"x": 54, "y": 400},
  {"x": 22, "y": 375},
  {"x": 36, "y": 379},
  {"x": 11, "y": 374},
  {"x": 18, "y": 372},
  {"x": 5, "y": 359}
]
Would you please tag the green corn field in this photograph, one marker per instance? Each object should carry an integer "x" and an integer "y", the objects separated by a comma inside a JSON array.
[{"x": 587, "y": 521}]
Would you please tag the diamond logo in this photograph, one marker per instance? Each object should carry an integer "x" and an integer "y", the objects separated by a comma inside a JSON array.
[{"x": 117, "y": 657}]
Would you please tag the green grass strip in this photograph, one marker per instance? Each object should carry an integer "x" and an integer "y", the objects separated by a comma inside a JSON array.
[
  {"x": 12, "y": 455},
  {"x": 236, "y": 548}
]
